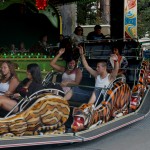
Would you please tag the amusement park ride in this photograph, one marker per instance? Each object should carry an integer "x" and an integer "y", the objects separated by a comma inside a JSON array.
[{"x": 42, "y": 118}]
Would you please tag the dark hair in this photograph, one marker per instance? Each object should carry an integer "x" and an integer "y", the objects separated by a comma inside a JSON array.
[
  {"x": 117, "y": 45},
  {"x": 42, "y": 36},
  {"x": 11, "y": 67},
  {"x": 71, "y": 59},
  {"x": 35, "y": 71},
  {"x": 67, "y": 44},
  {"x": 78, "y": 28},
  {"x": 97, "y": 27}
]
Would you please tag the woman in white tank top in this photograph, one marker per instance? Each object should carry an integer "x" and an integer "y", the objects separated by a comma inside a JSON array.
[
  {"x": 9, "y": 80},
  {"x": 4, "y": 87},
  {"x": 71, "y": 74}
]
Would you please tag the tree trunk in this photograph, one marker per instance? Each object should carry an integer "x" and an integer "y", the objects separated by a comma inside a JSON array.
[{"x": 105, "y": 11}]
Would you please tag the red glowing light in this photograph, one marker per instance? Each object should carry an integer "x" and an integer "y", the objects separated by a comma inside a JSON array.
[{"x": 41, "y": 4}]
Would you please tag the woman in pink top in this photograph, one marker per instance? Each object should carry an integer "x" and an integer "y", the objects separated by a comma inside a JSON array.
[{"x": 71, "y": 74}]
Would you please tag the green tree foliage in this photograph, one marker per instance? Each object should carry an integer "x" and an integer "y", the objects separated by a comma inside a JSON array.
[
  {"x": 143, "y": 15},
  {"x": 86, "y": 15}
]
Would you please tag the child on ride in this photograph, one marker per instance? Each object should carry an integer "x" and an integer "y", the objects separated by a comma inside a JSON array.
[{"x": 123, "y": 63}]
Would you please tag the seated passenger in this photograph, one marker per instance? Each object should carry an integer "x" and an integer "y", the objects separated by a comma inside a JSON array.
[
  {"x": 13, "y": 48},
  {"x": 71, "y": 74},
  {"x": 96, "y": 34},
  {"x": 32, "y": 83},
  {"x": 22, "y": 48},
  {"x": 123, "y": 63},
  {"x": 102, "y": 80},
  {"x": 9, "y": 80},
  {"x": 61, "y": 38},
  {"x": 77, "y": 37},
  {"x": 27, "y": 87},
  {"x": 41, "y": 46}
]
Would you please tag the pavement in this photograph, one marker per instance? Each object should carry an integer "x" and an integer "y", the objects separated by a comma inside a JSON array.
[{"x": 132, "y": 137}]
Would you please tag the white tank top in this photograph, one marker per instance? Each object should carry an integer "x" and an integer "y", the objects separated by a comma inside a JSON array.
[
  {"x": 68, "y": 77},
  {"x": 103, "y": 83},
  {"x": 4, "y": 87}
]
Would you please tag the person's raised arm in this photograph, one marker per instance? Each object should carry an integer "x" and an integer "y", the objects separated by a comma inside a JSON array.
[
  {"x": 114, "y": 72},
  {"x": 85, "y": 64},
  {"x": 53, "y": 61},
  {"x": 124, "y": 66}
]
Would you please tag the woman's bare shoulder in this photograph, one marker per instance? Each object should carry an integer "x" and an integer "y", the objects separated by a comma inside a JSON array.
[
  {"x": 78, "y": 70},
  {"x": 14, "y": 79}
]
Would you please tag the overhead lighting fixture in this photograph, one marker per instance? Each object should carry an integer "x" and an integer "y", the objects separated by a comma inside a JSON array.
[{"x": 41, "y": 4}]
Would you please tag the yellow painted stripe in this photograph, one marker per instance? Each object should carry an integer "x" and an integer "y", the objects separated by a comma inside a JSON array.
[{"x": 60, "y": 19}]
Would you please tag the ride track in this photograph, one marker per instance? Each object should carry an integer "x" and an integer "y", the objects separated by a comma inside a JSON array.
[
  {"x": 85, "y": 135},
  {"x": 81, "y": 136}
]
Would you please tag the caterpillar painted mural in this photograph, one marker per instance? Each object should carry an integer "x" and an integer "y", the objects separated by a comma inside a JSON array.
[
  {"x": 115, "y": 102},
  {"x": 46, "y": 115}
]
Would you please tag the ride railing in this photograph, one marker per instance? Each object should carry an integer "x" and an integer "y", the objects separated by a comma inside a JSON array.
[
  {"x": 145, "y": 45},
  {"x": 103, "y": 48},
  {"x": 24, "y": 103},
  {"x": 88, "y": 82},
  {"x": 23, "y": 55},
  {"x": 103, "y": 91}
]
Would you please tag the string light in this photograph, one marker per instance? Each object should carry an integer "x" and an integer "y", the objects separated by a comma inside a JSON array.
[{"x": 41, "y": 4}]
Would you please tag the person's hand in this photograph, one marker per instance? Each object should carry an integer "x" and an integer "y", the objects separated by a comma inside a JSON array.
[
  {"x": 114, "y": 57},
  {"x": 16, "y": 95},
  {"x": 80, "y": 49},
  {"x": 8, "y": 93},
  {"x": 61, "y": 51}
]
